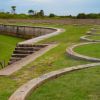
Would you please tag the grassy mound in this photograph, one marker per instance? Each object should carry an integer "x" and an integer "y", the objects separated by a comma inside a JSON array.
[
  {"x": 94, "y": 37},
  {"x": 91, "y": 50},
  {"x": 98, "y": 32},
  {"x": 52, "y": 60},
  {"x": 7, "y": 45}
]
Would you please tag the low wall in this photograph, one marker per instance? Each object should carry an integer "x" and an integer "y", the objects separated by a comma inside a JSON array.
[
  {"x": 53, "y": 21},
  {"x": 26, "y": 32}
]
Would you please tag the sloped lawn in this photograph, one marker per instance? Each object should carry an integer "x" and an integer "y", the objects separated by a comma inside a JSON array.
[
  {"x": 52, "y": 60},
  {"x": 7, "y": 45}
]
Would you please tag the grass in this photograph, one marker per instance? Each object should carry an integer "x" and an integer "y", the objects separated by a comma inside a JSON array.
[
  {"x": 94, "y": 37},
  {"x": 92, "y": 50},
  {"x": 7, "y": 45},
  {"x": 52, "y": 60},
  {"x": 79, "y": 85},
  {"x": 97, "y": 32}
]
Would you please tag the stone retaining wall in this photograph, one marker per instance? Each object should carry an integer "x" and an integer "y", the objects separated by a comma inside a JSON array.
[
  {"x": 86, "y": 38},
  {"x": 54, "y": 21},
  {"x": 26, "y": 32}
]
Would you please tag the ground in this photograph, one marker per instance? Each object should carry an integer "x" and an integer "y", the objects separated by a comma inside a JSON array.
[
  {"x": 91, "y": 50},
  {"x": 7, "y": 45},
  {"x": 78, "y": 85},
  {"x": 53, "y": 60},
  {"x": 95, "y": 37}
]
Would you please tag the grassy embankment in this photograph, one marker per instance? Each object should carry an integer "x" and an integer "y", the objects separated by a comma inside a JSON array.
[
  {"x": 94, "y": 37},
  {"x": 7, "y": 45},
  {"x": 79, "y": 85},
  {"x": 52, "y": 60},
  {"x": 92, "y": 50}
]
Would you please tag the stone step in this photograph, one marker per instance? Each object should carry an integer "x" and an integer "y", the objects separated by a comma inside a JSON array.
[
  {"x": 12, "y": 60},
  {"x": 15, "y": 58},
  {"x": 20, "y": 55},
  {"x": 28, "y": 48},
  {"x": 23, "y": 52},
  {"x": 30, "y": 45}
]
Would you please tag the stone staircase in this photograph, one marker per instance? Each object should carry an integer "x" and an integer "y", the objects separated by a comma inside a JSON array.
[{"x": 23, "y": 50}]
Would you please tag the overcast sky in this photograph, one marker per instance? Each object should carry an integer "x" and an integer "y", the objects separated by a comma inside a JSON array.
[{"x": 59, "y": 7}]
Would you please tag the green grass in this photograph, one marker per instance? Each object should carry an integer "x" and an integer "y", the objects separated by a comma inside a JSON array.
[
  {"x": 7, "y": 45},
  {"x": 92, "y": 50},
  {"x": 94, "y": 37},
  {"x": 98, "y": 32},
  {"x": 7, "y": 87},
  {"x": 55, "y": 58},
  {"x": 78, "y": 85},
  {"x": 52, "y": 60}
]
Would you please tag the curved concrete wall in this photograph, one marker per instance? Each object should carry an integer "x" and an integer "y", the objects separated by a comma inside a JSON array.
[
  {"x": 25, "y": 31},
  {"x": 86, "y": 38},
  {"x": 70, "y": 51},
  {"x": 25, "y": 90}
]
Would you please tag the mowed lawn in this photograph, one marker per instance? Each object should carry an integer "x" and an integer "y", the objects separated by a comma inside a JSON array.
[
  {"x": 91, "y": 50},
  {"x": 7, "y": 45},
  {"x": 52, "y": 60},
  {"x": 95, "y": 37},
  {"x": 78, "y": 85}
]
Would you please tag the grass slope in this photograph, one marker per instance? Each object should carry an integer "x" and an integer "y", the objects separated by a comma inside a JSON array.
[
  {"x": 94, "y": 37},
  {"x": 79, "y": 85},
  {"x": 92, "y": 50},
  {"x": 7, "y": 45},
  {"x": 52, "y": 60}
]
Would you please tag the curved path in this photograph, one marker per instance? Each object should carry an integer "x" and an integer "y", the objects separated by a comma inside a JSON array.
[
  {"x": 75, "y": 55},
  {"x": 10, "y": 69},
  {"x": 70, "y": 51},
  {"x": 86, "y": 38},
  {"x": 24, "y": 91}
]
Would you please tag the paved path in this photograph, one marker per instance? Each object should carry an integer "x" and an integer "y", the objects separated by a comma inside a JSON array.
[
  {"x": 24, "y": 91},
  {"x": 37, "y": 39}
]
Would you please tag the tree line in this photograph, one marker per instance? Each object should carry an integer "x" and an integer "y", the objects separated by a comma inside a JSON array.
[
  {"x": 30, "y": 14},
  {"x": 88, "y": 16},
  {"x": 40, "y": 14}
]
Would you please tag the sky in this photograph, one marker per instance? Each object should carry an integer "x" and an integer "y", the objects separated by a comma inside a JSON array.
[{"x": 59, "y": 7}]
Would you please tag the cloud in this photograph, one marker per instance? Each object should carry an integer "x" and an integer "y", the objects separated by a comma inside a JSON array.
[
  {"x": 41, "y": 1},
  {"x": 32, "y": 1}
]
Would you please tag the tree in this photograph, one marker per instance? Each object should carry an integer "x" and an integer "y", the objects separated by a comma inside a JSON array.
[
  {"x": 13, "y": 9},
  {"x": 52, "y": 15},
  {"x": 31, "y": 12},
  {"x": 41, "y": 13},
  {"x": 81, "y": 16}
]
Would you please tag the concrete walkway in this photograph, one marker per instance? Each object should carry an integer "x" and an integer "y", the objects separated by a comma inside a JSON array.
[{"x": 37, "y": 39}]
